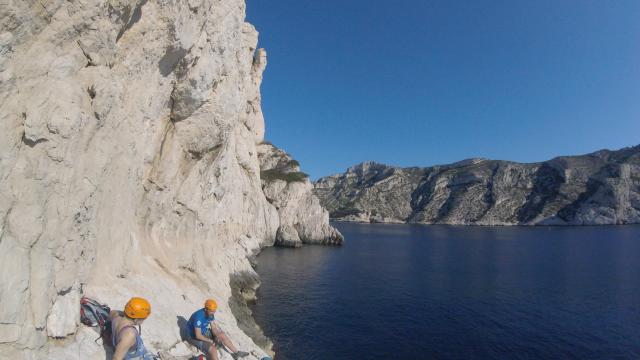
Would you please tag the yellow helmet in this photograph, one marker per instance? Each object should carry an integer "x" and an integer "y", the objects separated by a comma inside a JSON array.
[
  {"x": 137, "y": 308},
  {"x": 211, "y": 305}
]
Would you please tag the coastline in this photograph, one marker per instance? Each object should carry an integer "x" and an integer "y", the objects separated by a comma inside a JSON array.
[
  {"x": 339, "y": 220},
  {"x": 243, "y": 292},
  {"x": 446, "y": 271}
]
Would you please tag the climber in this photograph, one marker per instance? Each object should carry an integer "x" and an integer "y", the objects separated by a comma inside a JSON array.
[
  {"x": 203, "y": 332},
  {"x": 126, "y": 338}
]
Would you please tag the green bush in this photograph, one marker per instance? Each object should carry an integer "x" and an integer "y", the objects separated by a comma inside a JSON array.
[
  {"x": 345, "y": 211},
  {"x": 275, "y": 174}
]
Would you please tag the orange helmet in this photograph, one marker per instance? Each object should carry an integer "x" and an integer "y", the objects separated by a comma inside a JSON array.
[
  {"x": 137, "y": 308},
  {"x": 211, "y": 305}
]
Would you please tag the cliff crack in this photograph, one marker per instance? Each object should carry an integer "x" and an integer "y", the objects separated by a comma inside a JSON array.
[
  {"x": 546, "y": 187},
  {"x": 4, "y": 222},
  {"x": 488, "y": 197},
  {"x": 65, "y": 291},
  {"x": 49, "y": 14},
  {"x": 90, "y": 61},
  {"x": 131, "y": 20},
  {"x": 32, "y": 143}
]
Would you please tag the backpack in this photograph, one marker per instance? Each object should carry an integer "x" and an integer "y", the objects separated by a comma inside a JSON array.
[{"x": 94, "y": 314}]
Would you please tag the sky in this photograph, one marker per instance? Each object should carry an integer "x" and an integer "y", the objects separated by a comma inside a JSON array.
[{"x": 422, "y": 82}]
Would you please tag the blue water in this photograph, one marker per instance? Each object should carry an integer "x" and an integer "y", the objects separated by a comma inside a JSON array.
[{"x": 448, "y": 292}]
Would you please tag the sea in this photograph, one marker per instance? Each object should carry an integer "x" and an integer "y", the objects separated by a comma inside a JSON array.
[{"x": 455, "y": 292}]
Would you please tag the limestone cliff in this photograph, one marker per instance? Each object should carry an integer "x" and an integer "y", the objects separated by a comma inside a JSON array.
[
  {"x": 302, "y": 219},
  {"x": 128, "y": 166},
  {"x": 598, "y": 188}
]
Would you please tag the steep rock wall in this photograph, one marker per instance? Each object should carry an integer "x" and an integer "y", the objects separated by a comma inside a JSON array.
[
  {"x": 128, "y": 166},
  {"x": 302, "y": 218}
]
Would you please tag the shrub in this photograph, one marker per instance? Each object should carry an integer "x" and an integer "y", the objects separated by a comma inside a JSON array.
[
  {"x": 344, "y": 211},
  {"x": 275, "y": 174}
]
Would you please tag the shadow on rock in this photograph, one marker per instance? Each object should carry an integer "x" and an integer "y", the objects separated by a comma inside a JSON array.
[{"x": 182, "y": 325}]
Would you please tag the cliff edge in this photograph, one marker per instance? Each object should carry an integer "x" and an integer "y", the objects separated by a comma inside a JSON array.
[
  {"x": 302, "y": 218},
  {"x": 129, "y": 166}
]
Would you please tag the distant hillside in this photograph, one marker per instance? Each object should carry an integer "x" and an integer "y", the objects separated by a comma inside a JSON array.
[{"x": 594, "y": 189}]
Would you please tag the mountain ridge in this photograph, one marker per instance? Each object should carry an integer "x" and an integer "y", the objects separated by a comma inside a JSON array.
[{"x": 602, "y": 187}]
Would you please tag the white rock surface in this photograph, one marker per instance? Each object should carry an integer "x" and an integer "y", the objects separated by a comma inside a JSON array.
[
  {"x": 302, "y": 218},
  {"x": 128, "y": 166},
  {"x": 64, "y": 317}
]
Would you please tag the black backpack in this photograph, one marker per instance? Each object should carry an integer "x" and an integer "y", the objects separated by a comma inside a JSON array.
[{"x": 95, "y": 314}]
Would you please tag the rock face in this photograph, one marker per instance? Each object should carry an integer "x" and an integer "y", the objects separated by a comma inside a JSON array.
[
  {"x": 129, "y": 166},
  {"x": 302, "y": 219},
  {"x": 594, "y": 189}
]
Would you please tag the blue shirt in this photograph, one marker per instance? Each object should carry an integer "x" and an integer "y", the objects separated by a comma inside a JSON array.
[{"x": 200, "y": 320}]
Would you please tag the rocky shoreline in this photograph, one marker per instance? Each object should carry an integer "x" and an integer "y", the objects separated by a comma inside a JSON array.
[{"x": 302, "y": 219}]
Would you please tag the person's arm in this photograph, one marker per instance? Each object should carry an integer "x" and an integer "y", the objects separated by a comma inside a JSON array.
[
  {"x": 201, "y": 337},
  {"x": 126, "y": 340}
]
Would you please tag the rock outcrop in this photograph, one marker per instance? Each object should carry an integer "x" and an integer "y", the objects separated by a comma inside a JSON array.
[
  {"x": 593, "y": 189},
  {"x": 128, "y": 166},
  {"x": 302, "y": 219}
]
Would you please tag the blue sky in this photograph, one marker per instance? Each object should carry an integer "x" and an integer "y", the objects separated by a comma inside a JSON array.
[{"x": 421, "y": 82}]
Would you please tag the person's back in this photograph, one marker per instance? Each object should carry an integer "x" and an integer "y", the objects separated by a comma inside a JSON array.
[{"x": 125, "y": 327}]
